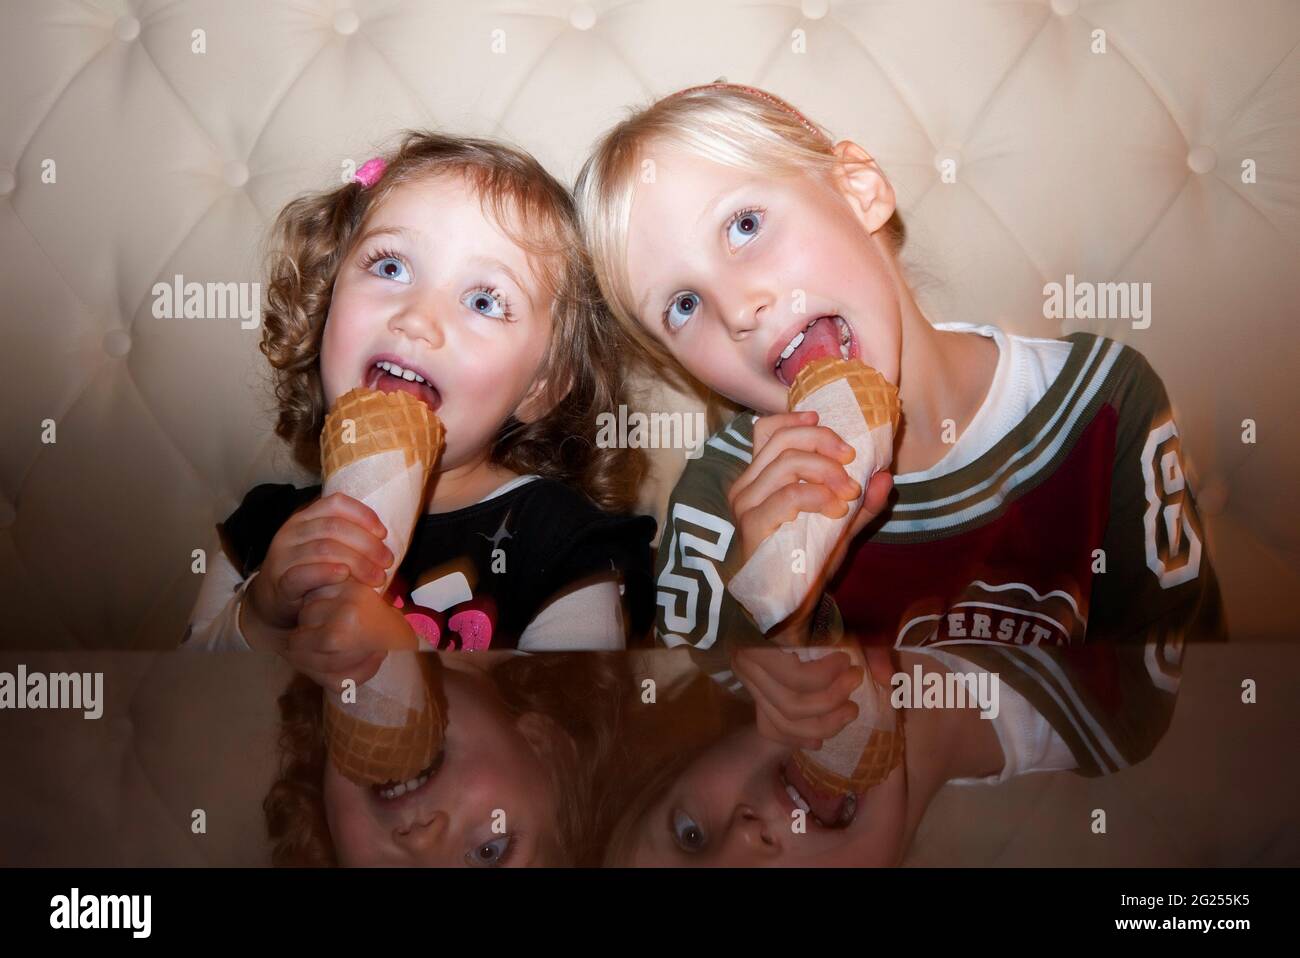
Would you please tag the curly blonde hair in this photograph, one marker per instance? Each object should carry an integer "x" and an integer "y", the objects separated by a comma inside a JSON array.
[
  {"x": 583, "y": 692},
  {"x": 314, "y": 233}
]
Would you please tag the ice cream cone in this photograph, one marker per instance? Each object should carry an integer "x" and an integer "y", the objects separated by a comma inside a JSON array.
[
  {"x": 877, "y": 397},
  {"x": 381, "y": 422},
  {"x": 882, "y": 754},
  {"x": 367, "y": 753}
]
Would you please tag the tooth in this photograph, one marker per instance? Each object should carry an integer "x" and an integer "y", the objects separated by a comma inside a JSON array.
[
  {"x": 844, "y": 350},
  {"x": 412, "y": 785},
  {"x": 399, "y": 790},
  {"x": 794, "y": 344},
  {"x": 408, "y": 375}
]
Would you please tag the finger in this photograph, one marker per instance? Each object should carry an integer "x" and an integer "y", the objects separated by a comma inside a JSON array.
[
  {"x": 770, "y": 732},
  {"x": 791, "y": 671},
  {"x": 359, "y": 566},
  {"x": 814, "y": 728},
  {"x": 766, "y": 426},
  {"x": 793, "y": 705},
  {"x": 341, "y": 504},
  {"x": 791, "y": 466},
  {"x": 300, "y": 580},
  {"x": 346, "y": 532},
  {"x": 809, "y": 438},
  {"x": 786, "y": 504}
]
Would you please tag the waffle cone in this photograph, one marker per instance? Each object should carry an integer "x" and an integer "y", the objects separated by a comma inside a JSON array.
[
  {"x": 368, "y": 754},
  {"x": 877, "y": 397},
  {"x": 883, "y": 753},
  {"x": 381, "y": 422}
]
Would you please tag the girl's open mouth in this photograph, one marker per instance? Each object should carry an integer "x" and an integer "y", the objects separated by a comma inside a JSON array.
[
  {"x": 828, "y": 335},
  {"x": 388, "y": 376},
  {"x": 828, "y": 811},
  {"x": 392, "y": 791}
]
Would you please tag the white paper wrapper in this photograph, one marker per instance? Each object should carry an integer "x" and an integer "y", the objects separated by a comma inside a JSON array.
[
  {"x": 767, "y": 586},
  {"x": 395, "y": 491},
  {"x": 841, "y": 753}
]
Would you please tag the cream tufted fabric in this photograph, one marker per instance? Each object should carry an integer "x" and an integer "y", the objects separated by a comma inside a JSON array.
[{"x": 1122, "y": 165}]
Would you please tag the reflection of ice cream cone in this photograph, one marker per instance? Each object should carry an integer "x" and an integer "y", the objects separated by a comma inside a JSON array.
[
  {"x": 398, "y": 750},
  {"x": 882, "y": 754},
  {"x": 877, "y": 397}
]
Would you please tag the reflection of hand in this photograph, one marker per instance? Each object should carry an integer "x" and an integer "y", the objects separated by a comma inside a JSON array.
[
  {"x": 799, "y": 703},
  {"x": 344, "y": 631}
]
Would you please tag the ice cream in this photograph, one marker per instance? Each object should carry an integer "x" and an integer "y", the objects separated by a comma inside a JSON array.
[
  {"x": 862, "y": 408},
  {"x": 380, "y": 448}
]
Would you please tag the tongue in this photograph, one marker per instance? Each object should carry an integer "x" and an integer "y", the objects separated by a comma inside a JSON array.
[
  {"x": 389, "y": 383},
  {"x": 825, "y": 808},
  {"x": 822, "y": 338}
]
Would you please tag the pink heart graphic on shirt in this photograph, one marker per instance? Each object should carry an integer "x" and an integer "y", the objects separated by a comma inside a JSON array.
[
  {"x": 425, "y": 627},
  {"x": 474, "y": 628}
]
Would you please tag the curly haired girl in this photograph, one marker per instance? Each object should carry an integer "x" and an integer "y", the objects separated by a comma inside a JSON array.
[{"x": 450, "y": 269}]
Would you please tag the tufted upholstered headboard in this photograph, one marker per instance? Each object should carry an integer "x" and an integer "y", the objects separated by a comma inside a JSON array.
[{"x": 1149, "y": 141}]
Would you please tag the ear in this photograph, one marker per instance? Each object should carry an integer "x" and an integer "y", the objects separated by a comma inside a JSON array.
[
  {"x": 547, "y": 739},
  {"x": 534, "y": 406},
  {"x": 861, "y": 181}
]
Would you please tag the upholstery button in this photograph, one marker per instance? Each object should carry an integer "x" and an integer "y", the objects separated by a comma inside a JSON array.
[
  {"x": 346, "y": 22},
  {"x": 582, "y": 17},
  {"x": 943, "y": 156},
  {"x": 7, "y": 183},
  {"x": 126, "y": 29},
  {"x": 814, "y": 9},
  {"x": 1202, "y": 159},
  {"x": 8, "y": 515},
  {"x": 236, "y": 174},
  {"x": 117, "y": 343},
  {"x": 1063, "y": 8},
  {"x": 1213, "y": 496}
]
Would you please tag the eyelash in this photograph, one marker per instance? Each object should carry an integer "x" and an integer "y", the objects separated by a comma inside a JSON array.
[
  {"x": 500, "y": 297},
  {"x": 381, "y": 254},
  {"x": 374, "y": 257}
]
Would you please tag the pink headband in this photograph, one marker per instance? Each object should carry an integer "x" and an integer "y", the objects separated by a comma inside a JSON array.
[
  {"x": 370, "y": 172},
  {"x": 762, "y": 95}
]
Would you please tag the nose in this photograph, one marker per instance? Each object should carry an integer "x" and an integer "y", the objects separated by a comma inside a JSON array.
[
  {"x": 746, "y": 313},
  {"x": 751, "y": 834},
  {"x": 418, "y": 319},
  {"x": 424, "y": 835}
]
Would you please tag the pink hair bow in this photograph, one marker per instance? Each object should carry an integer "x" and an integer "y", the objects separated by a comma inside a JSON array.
[{"x": 370, "y": 172}]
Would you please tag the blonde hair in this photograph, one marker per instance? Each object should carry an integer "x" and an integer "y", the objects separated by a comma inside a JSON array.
[
  {"x": 314, "y": 233},
  {"x": 736, "y": 126}
]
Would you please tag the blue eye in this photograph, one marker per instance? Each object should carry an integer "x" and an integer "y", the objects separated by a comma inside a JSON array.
[
  {"x": 490, "y": 855},
  {"x": 487, "y": 302},
  {"x": 682, "y": 308},
  {"x": 688, "y": 834},
  {"x": 743, "y": 227},
  {"x": 390, "y": 267}
]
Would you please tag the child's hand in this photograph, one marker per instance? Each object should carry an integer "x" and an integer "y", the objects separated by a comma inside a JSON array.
[
  {"x": 798, "y": 703},
  {"x": 801, "y": 704},
  {"x": 333, "y": 538},
  {"x": 797, "y": 467},
  {"x": 344, "y": 631}
]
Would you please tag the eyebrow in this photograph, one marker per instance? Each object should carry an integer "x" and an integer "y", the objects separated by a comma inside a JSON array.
[{"x": 387, "y": 231}]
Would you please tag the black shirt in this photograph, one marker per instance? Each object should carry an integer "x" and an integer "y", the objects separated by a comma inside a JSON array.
[{"x": 475, "y": 577}]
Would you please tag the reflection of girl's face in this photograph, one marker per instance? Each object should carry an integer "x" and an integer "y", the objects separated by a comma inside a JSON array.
[
  {"x": 731, "y": 807},
  {"x": 489, "y": 803}
]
